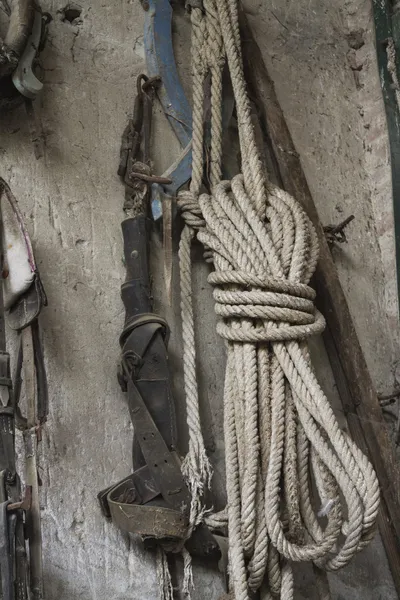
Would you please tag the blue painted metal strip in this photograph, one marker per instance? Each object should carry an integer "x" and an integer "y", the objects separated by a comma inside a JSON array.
[
  {"x": 161, "y": 62},
  {"x": 180, "y": 172}
]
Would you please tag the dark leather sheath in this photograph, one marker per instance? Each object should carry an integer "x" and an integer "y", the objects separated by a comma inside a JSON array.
[
  {"x": 154, "y": 501},
  {"x": 145, "y": 337}
]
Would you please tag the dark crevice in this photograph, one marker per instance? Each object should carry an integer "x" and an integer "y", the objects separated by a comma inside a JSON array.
[{"x": 71, "y": 13}]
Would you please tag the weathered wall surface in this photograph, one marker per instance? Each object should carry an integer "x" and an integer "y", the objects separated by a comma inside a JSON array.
[
  {"x": 322, "y": 59},
  {"x": 72, "y": 201}
]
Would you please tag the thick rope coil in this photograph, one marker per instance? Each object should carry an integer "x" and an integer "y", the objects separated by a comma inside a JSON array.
[
  {"x": 257, "y": 309},
  {"x": 280, "y": 430}
]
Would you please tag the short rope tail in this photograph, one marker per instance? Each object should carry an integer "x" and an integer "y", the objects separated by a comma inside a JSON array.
[{"x": 164, "y": 575}]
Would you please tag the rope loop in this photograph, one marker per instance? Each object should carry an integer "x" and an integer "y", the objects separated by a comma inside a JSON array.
[{"x": 190, "y": 209}]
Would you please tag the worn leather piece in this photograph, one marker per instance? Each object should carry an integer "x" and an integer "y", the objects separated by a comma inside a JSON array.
[
  {"x": 139, "y": 487},
  {"x": 42, "y": 399},
  {"x": 140, "y": 490},
  {"x": 22, "y": 314},
  {"x": 7, "y": 457},
  {"x": 7, "y": 453},
  {"x": 146, "y": 388},
  {"x": 144, "y": 354},
  {"x": 154, "y": 517},
  {"x": 41, "y": 376},
  {"x": 136, "y": 506},
  {"x": 164, "y": 525},
  {"x": 13, "y": 554},
  {"x": 145, "y": 373},
  {"x": 148, "y": 337},
  {"x": 158, "y": 522},
  {"x": 154, "y": 501},
  {"x": 13, "y": 563},
  {"x": 145, "y": 377},
  {"x": 28, "y": 306},
  {"x": 6, "y": 557},
  {"x": 18, "y": 265},
  {"x": 5, "y": 380}
]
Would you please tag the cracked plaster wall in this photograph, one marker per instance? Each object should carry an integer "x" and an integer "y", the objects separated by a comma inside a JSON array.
[{"x": 72, "y": 201}]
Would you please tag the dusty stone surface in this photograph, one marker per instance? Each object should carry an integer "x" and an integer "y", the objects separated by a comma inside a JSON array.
[
  {"x": 322, "y": 59},
  {"x": 72, "y": 202}
]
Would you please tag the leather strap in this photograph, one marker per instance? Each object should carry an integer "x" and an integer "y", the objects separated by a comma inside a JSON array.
[
  {"x": 144, "y": 361},
  {"x": 139, "y": 487},
  {"x": 147, "y": 520},
  {"x": 135, "y": 505},
  {"x": 13, "y": 562},
  {"x": 151, "y": 518},
  {"x": 41, "y": 377},
  {"x": 28, "y": 306},
  {"x": 6, "y": 557},
  {"x": 42, "y": 403},
  {"x": 154, "y": 501},
  {"x": 162, "y": 464},
  {"x": 16, "y": 525},
  {"x": 143, "y": 319},
  {"x": 162, "y": 510}
]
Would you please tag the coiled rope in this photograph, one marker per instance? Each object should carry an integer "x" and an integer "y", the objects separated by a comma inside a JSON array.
[{"x": 298, "y": 487}]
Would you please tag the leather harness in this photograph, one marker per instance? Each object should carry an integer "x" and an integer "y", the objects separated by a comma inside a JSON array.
[
  {"x": 16, "y": 524},
  {"x": 154, "y": 501}
]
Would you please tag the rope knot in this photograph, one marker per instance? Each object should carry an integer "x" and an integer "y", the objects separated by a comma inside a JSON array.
[
  {"x": 190, "y": 209},
  {"x": 262, "y": 265},
  {"x": 259, "y": 308}
]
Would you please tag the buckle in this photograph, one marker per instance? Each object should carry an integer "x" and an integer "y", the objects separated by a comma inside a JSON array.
[{"x": 24, "y": 504}]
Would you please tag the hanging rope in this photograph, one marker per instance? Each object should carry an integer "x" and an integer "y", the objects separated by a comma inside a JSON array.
[
  {"x": 207, "y": 51},
  {"x": 280, "y": 430}
]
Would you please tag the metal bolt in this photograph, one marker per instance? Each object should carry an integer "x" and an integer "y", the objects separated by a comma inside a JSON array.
[
  {"x": 134, "y": 254},
  {"x": 10, "y": 477}
]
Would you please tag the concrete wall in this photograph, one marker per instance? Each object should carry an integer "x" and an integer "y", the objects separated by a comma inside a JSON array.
[
  {"x": 321, "y": 56},
  {"x": 72, "y": 201}
]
